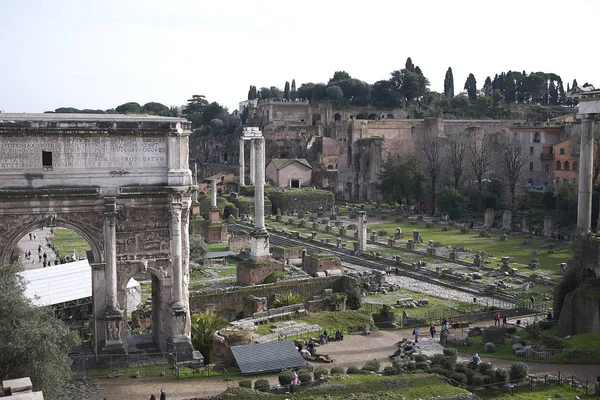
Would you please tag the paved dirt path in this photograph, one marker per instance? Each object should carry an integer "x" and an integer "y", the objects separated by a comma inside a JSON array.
[{"x": 353, "y": 350}]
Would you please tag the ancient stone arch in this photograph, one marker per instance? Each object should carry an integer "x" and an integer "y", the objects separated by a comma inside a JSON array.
[{"x": 124, "y": 184}]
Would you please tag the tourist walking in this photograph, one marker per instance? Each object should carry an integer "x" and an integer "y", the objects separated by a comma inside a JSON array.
[
  {"x": 497, "y": 319},
  {"x": 294, "y": 382},
  {"x": 432, "y": 330},
  {"x": 30, "y": 236},
  {"x": 163, "y": 395},
  {"x": 504, "y": 322},
  {"x": 416, "y": 334}
]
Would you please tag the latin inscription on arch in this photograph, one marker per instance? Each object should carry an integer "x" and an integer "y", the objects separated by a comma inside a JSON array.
[{"x": 81, "y": 152}]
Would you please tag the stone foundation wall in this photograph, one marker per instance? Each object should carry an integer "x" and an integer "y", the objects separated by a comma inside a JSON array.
[
  {"x": 285, "y": 253},
  {"x": 231, "y": 305},
  {"x": 319, "y": 263},
  {"x": 249, "y": 273}
]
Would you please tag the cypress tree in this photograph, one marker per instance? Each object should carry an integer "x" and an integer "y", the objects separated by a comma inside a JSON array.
[
  {"x": 471, "y": 87},
  {"x": 449, "y": 84}
]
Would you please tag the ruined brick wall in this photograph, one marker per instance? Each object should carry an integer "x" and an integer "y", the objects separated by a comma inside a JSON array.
[
  {"x": 255, "y": 273},
  {"x": 311, "y": 264},
  {"x": 231, "y": 304},
  {"x": 238, "y": 242}
]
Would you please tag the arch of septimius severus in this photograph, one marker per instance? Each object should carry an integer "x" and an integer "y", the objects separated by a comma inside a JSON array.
[{"x": 121, "y": 182}]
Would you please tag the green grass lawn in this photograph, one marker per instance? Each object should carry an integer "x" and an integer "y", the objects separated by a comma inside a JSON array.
[
  {"x": 549, "y": 392},
  {"x": 217, "y": 247},
  {"x": 514, "y": 247},
  {"x": 65, "y": 240}
]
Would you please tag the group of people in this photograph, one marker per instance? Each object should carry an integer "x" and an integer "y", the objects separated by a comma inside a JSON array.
[
  {"x": 497, "y": 320},
  {"x": 325, "y": 338}
]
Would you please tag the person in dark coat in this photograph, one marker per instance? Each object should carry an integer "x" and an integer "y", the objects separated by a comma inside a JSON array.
[{"x": 163, "y": 395}]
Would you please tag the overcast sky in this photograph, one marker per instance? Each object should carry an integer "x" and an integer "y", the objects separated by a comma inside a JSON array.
[{"x": 100, "y": 54}]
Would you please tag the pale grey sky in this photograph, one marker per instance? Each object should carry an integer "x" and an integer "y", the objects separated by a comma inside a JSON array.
[{"x": 99, "y": 54}]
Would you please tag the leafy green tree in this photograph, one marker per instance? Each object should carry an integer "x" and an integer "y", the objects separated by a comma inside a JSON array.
[
  {"x": 574, "y": 85},
  {"x": 552, "y": 94},
  {"x": 401, "y": 180},
  {"x": 339, "y": 76},
  {"x": 264, "y": 93},
  {"x": 67, "y": 110},
  {"x": 449, "y": 84},
  {"x": 409, "y": 85},
  {"x": 471, "y": 87},
  {"x": 197, "y": 249},
  {"x": 451, "y": 202},
  {"x": 550, "y": 198},
  {"x": 195, "y": 105},
  {"x": 204, "y": 327},
  {"x": 129, "y": 108},
  {"x": 383, "y": 95},
  {"x": 33, "y": 342},
  {"x": 335, "y": 93},
  {"x": 276, "y": 93},
  {"x": 175, "y": 111},
  {"x": 252, "y": 93},
  {"x": 485, "y": 106},
  {"x": 153, "y": 108},
  {"x": 562, "y": 96},
  {"x": 418, "y": 70}
]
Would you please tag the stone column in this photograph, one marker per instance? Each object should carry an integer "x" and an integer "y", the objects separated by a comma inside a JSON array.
[
  {"x": 507, "y": 220},
  {"x": 242, "y": 166},
  {"x": 259, "y": 241},
  {"x": 113, "y": 315},
  {"x": 488, "y": 218},
  {"x": 252, "y": 162},
  {"x": 586, "y": 168},
  {"x": 259, "y": 182},
  {"x": 176, "y": 252},
  {"x": 547, "y": 225},
  {"x": 213, "y": 193},
  {"x": 362, "y": 231},
  {"x": 110, "y": 255}
]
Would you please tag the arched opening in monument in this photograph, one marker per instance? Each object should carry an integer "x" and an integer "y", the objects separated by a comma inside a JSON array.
[
  {"x": 361, "y": 116},
  {"x": 295, "y": 183},
  {"x": 57, "y": 272},
  {"x": 140, "y": 296},
  {"x": 337, "y": 117},
  {"x": 316, "y": 118},
  {"x": 330, "y": 167},
  {"x": 225, "y": 157},
  {"x": 372, "y": 116}
]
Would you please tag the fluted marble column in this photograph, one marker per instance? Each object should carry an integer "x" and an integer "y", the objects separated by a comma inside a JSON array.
[
  {"x": 176, "y": 250},
  {"x": 242, "y": 166},
  {"x": 252, "y": 162},
  {"x": 586, "y": 168}
]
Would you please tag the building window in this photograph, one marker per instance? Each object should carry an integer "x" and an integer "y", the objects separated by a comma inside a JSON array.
[
  {"x": 531, "y": 166},
  {"x": 47, "y": 160},
  {"x": 566, "y": 166},
  {"x": 558, "y": 165},
  {"x": 575, "y": 166},
  {"x": 565, "y": 180},
  {"x": 562, "y": 151},
  {"x": 536, "y": 137},
  {"x": 531, "y": 151},
  {"x": 547, "y": 167}
]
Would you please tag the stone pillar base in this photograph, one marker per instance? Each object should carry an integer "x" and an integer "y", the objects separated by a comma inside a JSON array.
[
  {"x": 259, "y": 246},
  {"x": 213, "y": 215},
  {"x": 182, "y": 346}
]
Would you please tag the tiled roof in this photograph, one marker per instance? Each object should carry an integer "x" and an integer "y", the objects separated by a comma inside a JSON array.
[
  {"x": 258, "y": 358},
  {"x": 280, "y": 163}
]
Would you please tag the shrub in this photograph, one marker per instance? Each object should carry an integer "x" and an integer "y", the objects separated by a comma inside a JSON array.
[
  {"x": 460, "y": 378},
  {"x": 285, "y": 377},
  {"x": 439, "y": 371},
  {"x": 553, "y": 342},
  {"x": 246, "y": 384},
  {"x": 411, "y": 366},
  {"x": 420, "y": 358},
  {"x": 518, "y": 371},
  {"x": 320, "y": 372},
  {"x": 500, "y": 375},
  {"x": 477, "y": 380},
  {"x": 494, "y": 334},
  {"x": 353, "y": 370},
  {"x": 511, "y": 329},
  {"x": 485, "y": 368},
  {"x": 372, "y": 365},
  {"x": 462, "y": 368},
  {"x": 337, "y": 370},
  {"x": 262, "y": 385},
  {"x": 422, "y": 365},
  {"x": 390, "y": 370},
  {"x": 305, "y": 377},
  {"x": 446, "y": 362},
  {"x": 450, "y": 352}
]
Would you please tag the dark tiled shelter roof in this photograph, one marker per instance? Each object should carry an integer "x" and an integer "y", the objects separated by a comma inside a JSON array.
[{"x": 259, "y": 358}]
